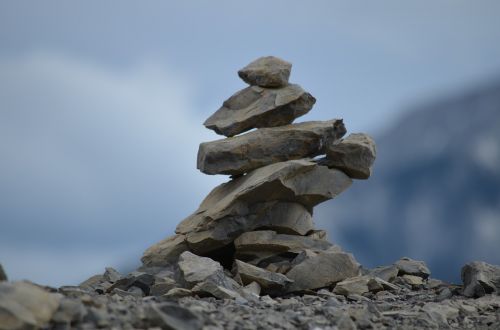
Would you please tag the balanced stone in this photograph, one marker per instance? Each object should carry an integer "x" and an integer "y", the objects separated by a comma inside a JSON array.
[
  {"x": 244, "y": 153},
  {"x": 268, "y": 71},
  {"x": 256, "y": 107},
  {"x": 300, "y": 181},
  {"x": 353, "y": 155}
]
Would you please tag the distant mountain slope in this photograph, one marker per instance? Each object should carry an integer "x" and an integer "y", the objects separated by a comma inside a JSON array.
[{"x": 435, "y": 191}]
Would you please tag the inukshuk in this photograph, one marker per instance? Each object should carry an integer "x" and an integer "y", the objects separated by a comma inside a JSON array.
[{"x": 259, "y": 224}]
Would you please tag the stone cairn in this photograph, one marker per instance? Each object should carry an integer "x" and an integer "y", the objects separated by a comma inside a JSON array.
[{"x": 259, "y": 224}]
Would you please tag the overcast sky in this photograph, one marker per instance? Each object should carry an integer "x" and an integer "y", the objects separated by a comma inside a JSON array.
[{"x": 101, "y": 104}]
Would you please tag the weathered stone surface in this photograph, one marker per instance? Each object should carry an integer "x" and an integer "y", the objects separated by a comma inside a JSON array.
[
  {"x": 268, "y": 281},
  {"x": 322, "y": 270},
  {"x": 353, "y": 155},
  {"x": 284, "y": 217},
  {"x": 413, "y": 280},
  {"x": 480, "y": 278},
  {"x": 257, "y": 107},
  {"x": 362, "y": 284},
  {"x": 387, "y": 273},
  {"x": 173, "y": 317},
  {"x": 165, "y": 252},
  {"x": 441, "y": 313},
  {"x": 138, "y": 280},
  {"x": 26, "y": 306},
  {"x": 318, "y": 234},
  {"x": 412, "y": 267},
  {"x": 3, "y": 276},
  {"x": 299, "y": 181},
  {"x": 197, "y": 269},
  {"x": 163, "y": 287},
  {"x": 268, "y": 240},
  {"x": 212, "y": 289},
  {"x": 244, "y": 153},
  {"x": 267, "y": 71},
  {"x": 111, "y": 275}
]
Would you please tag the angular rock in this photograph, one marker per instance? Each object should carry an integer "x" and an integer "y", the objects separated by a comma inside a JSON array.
[
  {"x": 220, "y": 292},
  {"x": 3, "y": 276},
  {"x": 318, "y": 234},
  {"x": 171, "y": 316},
  {"x": 69, "y": 311},
  {"x": 413, "y": 280},
  {"x": 267, "y": 71},
  {"x": 284, "y": 217},
  {"x": 441, "y": 313},
  {"x": 253, "y": 288},
  {"x": 268, "y": 240},
  {"x": 138, "y": 280},
  {"x": 387, "y": 273},
  {"x": 353, "y": 155},
  {"x": 26, "y": 306},
  {"x": 178, "y": 293},
  {"x": 162, "y": 288},
  {"x": 322, "y": 270},
  {"x": 298, "y": 181},
  {"x": 409, "y": 266},
  {"x": 112, "y": 275},
  {"x": 244, "y": 153},
  {"x": 480, "y": 278},
  {"x": 268, "y": 281},
  {"x": 165, "y": 252},
  {"x": 362, "y": 284},
  {"x": 257, "y": 107}
]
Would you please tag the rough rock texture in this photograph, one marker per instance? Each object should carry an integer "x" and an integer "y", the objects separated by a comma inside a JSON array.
[
  {"x": 353, "y": 155},
  {"x": 409, "y": 266},
  {"x": 480, "y": 278},
  {"x": 165, "y": 252},
  {"x": 322, "y": 270},
  {"x": 256, "y": 107},
  {"x": 267, "y": 71},
  {"x": 300, "y": 181},
  {"x": 268, "y": 281},
  {"x": 244, "y": 153},
  {"x": 26, "y": 306}
]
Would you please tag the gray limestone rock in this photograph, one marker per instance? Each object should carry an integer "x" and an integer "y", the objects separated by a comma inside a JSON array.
[
  {"x": 362, "y": 284},
  {"x": 26, "y": 306},
  {"x": 298, "y": 181},
  {"x": 163, "y": 287},
  {"x": 284, "y": 217},
  {"x": 321, "y": 270},
  {"x": 387, "y": 273},
  {"x": 178, "y": 293},
  {"x": 267, "y": 71},
  {"x": 3, "y": 276},
  {"x": 409, "y": 266},
  {"x": 353, "y": 155},
  {"x": 480, "y": 278},
  {"x": 165, "y": 252},
  {"x": 268, "y": 281},
  {"x": 211, "y": 288},
  {"x": 244, "y": 153},
  {"x": 257, "y": 107},
  {"x": 171, "y": 316}
]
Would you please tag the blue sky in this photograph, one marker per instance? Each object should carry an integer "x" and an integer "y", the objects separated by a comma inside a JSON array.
[{"x": 101, "y": 105}]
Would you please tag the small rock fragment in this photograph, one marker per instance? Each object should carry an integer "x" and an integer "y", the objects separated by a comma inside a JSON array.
[
  {"x": 172, "y": 316},
  {"x": 268, "y": 281},
  {"x": 268, "y": 71},
  {"x": 409, "y": 266}
]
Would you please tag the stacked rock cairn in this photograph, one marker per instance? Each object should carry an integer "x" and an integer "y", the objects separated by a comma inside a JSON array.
[{"x": 256, "y": 231}]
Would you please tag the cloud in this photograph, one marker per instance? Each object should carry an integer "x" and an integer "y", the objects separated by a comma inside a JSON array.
[{"x": 94, "y": 161}]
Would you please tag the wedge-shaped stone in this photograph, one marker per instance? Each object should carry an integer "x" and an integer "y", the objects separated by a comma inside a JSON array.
[
  {"x": 165, "y": 252},
  {"x": 268, "y": 240},
  {"x": 244, "y": 153},
  {"x": 407, "y": 266},
  {"x": 322, "y": 270},
  {"x": 362, "y": 284},
  {"x": 267, "y": 71},
  {"x": 256, "y": 107},
  {"x": 268, "y": 281},
  {"x": 298, "y": 181},
  {"x": 353, "y": 155},
  {"x": 480, "y": 278},
  {"x": 284, "y": 217}
]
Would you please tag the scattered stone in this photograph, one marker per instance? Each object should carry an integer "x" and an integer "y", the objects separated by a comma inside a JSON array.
[
  {"x": 253, "y": 288},
  {"x": 268, "y": 71},
  {"x": 270, "y": 282},
  {"x": 3, "y": 276},
  {"x": 69, "y": 311},
  {"x": 165, "y": 252},
  {"x": 172, "y": 316},
  {"x": 322, "y": 270},
  {"x": 362, "y": 284},
  {"x": 112, "y": 275},
  {"x": 163, "y": 287},
  {"x": 299, "y": 181},
  {"x": 441, "y": 313},
  {"x": 480, "y": 278},
  {"x": 26, "y": 306},
  {"x": 247, "y": 152},
  {"x": 197, "y": 269},
  {"x": 353, "y": 155},
  {"x": 409, "y": 266},
  {"x": 257, "y": 107},
  {"x": 387, "y": 273},
  {"x": 178, "y": 293},
  {"x": 210, "y": 288},
  {"x": 413, "y": 280}
]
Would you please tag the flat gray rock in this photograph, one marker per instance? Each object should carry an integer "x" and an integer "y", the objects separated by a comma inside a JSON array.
[
  {"x": 268, "y": 281},
  {"x": 165, "y": 252},
  {"x": 387, "y": 273},
  {"x": 362, "y": 284},
  {"x": 322, "y": 270},
  {"x": 354, "y": 155},
  {"x": 283, "y": 217},
  {"x": 267, "y": 71},
  {"x": 480, "y": 278},
  {"x": 257, "y": 107},
  {"x": 26, "y": 306},
  {"x": 298, "y": 181},
  {"x": 171, "y": 316},
  {"x": 244, "y": 153},
  {"x": 407, "y": 266}
]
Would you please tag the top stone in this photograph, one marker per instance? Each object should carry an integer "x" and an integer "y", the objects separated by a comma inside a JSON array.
[{"x": 268, "y": 71}]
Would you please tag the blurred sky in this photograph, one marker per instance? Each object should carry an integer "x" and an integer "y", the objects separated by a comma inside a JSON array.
[{"x": 102, "y": 104}]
